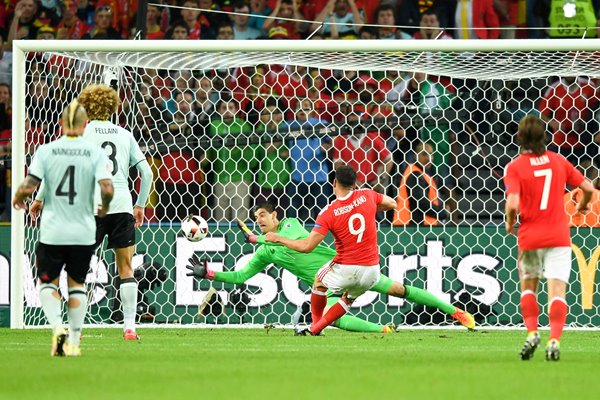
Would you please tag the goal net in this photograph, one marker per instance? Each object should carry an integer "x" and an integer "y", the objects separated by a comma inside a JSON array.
[{"x": 228, "y": 125}]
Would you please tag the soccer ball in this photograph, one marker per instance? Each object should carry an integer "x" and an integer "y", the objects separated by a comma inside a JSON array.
[{"x": 194, "y": 228}]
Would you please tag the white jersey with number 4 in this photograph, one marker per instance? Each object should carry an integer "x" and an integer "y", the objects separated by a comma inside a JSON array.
[
  {"x": 123, "y": 152},
  {"x": 70, "y": 168}
]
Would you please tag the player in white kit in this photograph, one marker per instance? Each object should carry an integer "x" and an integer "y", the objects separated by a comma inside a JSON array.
[{"x": 70, "y": 168}]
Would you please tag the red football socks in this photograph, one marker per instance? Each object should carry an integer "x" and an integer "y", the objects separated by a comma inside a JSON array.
[
  {"x": 530, "y": 310},
  {"x": 558, "y": 317},
  {"x": 336, "y": 311},
  {"x": 318, "y": 301}
]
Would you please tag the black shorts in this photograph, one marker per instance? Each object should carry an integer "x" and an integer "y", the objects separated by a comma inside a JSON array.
[
  {"x": 50, "y": 260},
  {"x": 120, "y": 229}
]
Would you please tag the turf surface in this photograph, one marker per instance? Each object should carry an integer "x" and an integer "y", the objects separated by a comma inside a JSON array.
[{"x": 256, "y": 364}]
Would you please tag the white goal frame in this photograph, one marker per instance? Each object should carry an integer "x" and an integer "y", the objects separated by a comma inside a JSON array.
[{"x": 20, "y": 47}]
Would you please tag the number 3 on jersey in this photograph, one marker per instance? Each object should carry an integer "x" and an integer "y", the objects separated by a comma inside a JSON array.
[
  {"x": 361, "y": 226},
  {"x": 112, "y": 156},
  {"x": 547, "y": 174}
]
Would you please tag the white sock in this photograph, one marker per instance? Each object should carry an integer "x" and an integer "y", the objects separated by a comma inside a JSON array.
[
  {"x": 77, "y": 314},
  {"x": 51, "y": 305},
  {"x": 128, "y": 292}
]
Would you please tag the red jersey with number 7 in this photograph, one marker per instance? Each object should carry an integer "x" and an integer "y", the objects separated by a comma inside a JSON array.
[
  {"x": 351, "y": 221},
  {"x": 540, "y": 181}
]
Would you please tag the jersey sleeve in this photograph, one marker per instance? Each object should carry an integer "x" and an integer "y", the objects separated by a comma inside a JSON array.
[
  {"x": 103, "y": 167},
  {"x": 511, "y": 180},
  {"x": 36, "y": 169},
  {"x": 135, "y": 154},
  {"x": 574, "y": 176},
  {"x": 323, "y": 222},
  {"x": 257, "y": 263},
  {"x": 378, "y": 197}
]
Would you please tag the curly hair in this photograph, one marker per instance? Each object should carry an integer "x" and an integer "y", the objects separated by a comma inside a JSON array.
[{"x": 100, "y": 101}]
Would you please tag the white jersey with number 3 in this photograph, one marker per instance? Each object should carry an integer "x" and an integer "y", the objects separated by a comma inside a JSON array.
[{"x": 123, "y": 152}]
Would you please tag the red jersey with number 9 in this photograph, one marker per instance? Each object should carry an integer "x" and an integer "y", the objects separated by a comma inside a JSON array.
[
  {"x": 351, "y": 221},
  {"x": 540, "y": 182}
]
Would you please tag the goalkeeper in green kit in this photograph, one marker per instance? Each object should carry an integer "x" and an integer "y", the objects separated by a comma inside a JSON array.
[{"x": 305, "y": 266}]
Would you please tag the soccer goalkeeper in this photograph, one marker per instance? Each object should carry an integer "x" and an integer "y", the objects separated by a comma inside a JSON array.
[{"x": 305, "y": 266}]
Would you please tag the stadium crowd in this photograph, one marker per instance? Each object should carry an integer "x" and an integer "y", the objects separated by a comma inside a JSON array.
[{"x": 182, "y": 113}]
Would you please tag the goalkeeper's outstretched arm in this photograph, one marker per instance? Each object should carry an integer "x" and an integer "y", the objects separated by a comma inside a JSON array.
[{"x": 199, "y": 269}]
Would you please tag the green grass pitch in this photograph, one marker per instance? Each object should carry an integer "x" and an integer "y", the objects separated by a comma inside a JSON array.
[{"x": 261, "y": 364}]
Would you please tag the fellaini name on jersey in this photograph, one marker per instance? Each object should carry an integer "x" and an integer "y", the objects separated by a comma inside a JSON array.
[
  {"x": 346, "y": 209},
  {"x": 106, "y": 131},
  {"x": 71, "y": 152},
  {"x": 541, "y": 160}
]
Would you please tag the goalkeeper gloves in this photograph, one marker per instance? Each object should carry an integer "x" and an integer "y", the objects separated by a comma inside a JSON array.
[
  {"x": 199, "y": 268},
  {"x": 250, "y": 237}
]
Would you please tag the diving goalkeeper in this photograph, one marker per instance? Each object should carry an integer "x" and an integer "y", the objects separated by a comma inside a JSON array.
[{"x": 305, "y": 266}]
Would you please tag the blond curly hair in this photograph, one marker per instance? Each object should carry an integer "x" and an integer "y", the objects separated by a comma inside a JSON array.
[{"x": 100, "y": 101}]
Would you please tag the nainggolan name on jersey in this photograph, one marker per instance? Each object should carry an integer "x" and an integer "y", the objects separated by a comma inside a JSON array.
[
  {"x": 541, "y": 160},
  {"x": 71, "y": 152},
  {"x": 346, "y": 209}
]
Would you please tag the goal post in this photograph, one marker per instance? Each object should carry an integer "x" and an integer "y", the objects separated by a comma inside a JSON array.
[{"x": 465, "y": 102}]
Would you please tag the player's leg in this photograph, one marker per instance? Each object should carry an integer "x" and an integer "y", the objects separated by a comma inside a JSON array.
[
  {"x": 49, "y": 264},
  {"x": 557, "y": 268},
  {"x": 128, "y": 291},
  {"x": 530, "y": 270},
  {"x": 77, "y": 262},
  {"x": 393, "y": 288},
  {"x": 354, "y": 280},
  {"x": 121, "y": 238},
  {"x": 354, "y": 324},
  {"x": 318, "y": 296}
]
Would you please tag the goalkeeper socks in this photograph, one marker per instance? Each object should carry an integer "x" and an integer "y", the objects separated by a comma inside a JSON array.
[
  {"x": 128, "y": 292},
  {"x": 318, "y": 301},
  {"x": 335, "y": 312},
  {"x": 52, "y": 305},
  {"x": 77, "y": 311},
  {"x": 530, "y": 310},
  {"x": 558, "y": 316},
  {"x": 355, "y": 324},
  {"x": 425, "y": 298}
]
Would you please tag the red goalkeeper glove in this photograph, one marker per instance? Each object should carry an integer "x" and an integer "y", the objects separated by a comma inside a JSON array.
[{"x": 250, "y": 237}]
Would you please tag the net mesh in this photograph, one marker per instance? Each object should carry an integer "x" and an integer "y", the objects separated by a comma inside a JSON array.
[{"x": 225, "y": 131}]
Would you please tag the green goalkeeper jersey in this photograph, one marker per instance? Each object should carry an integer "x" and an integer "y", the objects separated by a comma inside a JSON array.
[{"x": 302, "y": 265}]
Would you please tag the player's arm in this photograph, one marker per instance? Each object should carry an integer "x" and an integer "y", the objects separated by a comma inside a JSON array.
[
  {"x": 387, "y": 203},
  {"x": 199, "y": 269},
  {"x": 305, "y": 245},
  {"x": 36, "y": 206},
  {"x": 588, "y": 190},
  {"x": 24, "y": 191},
  {"x": 512, "y": 208},
  {"x": 146, "y": 183},
  {"x": 106, "y": 194}
]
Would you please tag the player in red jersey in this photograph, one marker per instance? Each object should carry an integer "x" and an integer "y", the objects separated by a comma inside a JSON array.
[
  {"x": 535, "y": 185},
  {"x": 355, "y": 268}
]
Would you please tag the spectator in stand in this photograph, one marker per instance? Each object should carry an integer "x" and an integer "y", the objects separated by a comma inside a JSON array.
[
  {"x": 323, "y": 105},
  {"x": 225, "y": 31},
  {"x": 153, "y": 23},
  {"x": 309, "y": 165},
  {"x": 469, "y": 19},
  {"x": 339, "y": 12},
  {"x": 5, "y": 108},
  {"x": 418, "y": 202},
  {"x": 259, "y": 10},
  {"x": 181, "y": 174},
  {"x": 572, "y": 198},
  {"x": 367, "y": 33},
  {"x": 568, "y": 106},
  {"x": 234, "y": 162},
  {"x": 241, "y": 19},
  {"x": 279, "y": 20},
  {"x": 26, "y": 15},
  {"x": 210, "y": 19},
  {"x": 365, "y": 152},
  {"x": 102, "y": 28},
  {"x": 290, "y": 83},
  {"x": 409, "y": 13},
  {"x": 190, "y": 15},
  {"x": 70, "y": 26},
  {"x": 40, "y": 103},
  {"x": 385, "y": 16},
  {"x": 206, "y": 100},
  {"x": 252, "y": 98},
  {"x": 179, "y": 31},
  {"x": 429, "y": 27},
  {"x": 508, "y": 15},
  {"x": 273, "y": 168}
]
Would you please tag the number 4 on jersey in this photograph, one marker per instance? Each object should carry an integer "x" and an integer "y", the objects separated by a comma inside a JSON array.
[{"x": 70, "y": 192}]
